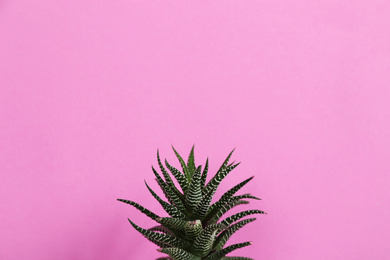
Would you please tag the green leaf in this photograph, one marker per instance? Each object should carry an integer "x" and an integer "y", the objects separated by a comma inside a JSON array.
[
  {"x": 194, "y": 195},
  {"x": 203, "y": 206},
  {"x": 140, "y": 208},
  {"x": 178, "y": 254},
  {"x": 161, "y": 238},
  {"x": 226, "y": 234},
  {"x": 246, "y": 196},
  {"x": 170, "y": 209},
  {"x": 240, "y": 215},
  {"x": 170, "y": 228},
  {"x": 192, "y": 229},
  {"x": 221, "y": 253},
  {"x": 167, "y": 178},
  {"x": 204, "y": 175},
  {"x": 183, "y": 165},
  {"x": 225, "y": 163},
  {"x": 213, "y": 184},
  {"x": 227, "y": 196},
  {"x": 228, "y": 206},
  {"x": 162, "y": 229},
  {"x": 162, "y": 184},
  {"x": 172, "y": 222},
  {"x": 217, "y": 213},
  {"x": 204, "y": 242},
  {"x": 169, "y": 193},
  {"x": 191, "y": 162},
  {"x": 180, "y": 177}
]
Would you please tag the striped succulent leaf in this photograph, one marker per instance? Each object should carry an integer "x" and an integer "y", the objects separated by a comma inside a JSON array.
[
  {"x": 162, "y": 229},
  {"x": 204, "y": 242},
  {"x": 246, "y": 196},
  {"x": 176, "y": 223},
  {"x": 222, "y": 168},
  {"x": 228, "y": 206},
  {"x": 203, "y": 206},
  {"x": 194, "y": 195},
  {"x": 192, "y": 229},
  {"x": 168, "y": 178},
  {"x": 172, "y": 241},
  {"x": 216, "y": 180},
  {"x": 203, "y": 178},
  {"x": 234, "y": 201},
  {"x": 170, "y": 231},
  {"x": 227, "y": 196},
  {"x": 191, "y": 162},
  {"x": 225, "y": 163},
  {"x": 170, "y": 209},
  {"x": 183, "y": 165},
  {"x": 241, "y": 215},
  {"x": 179, "y": 254},
  {"x": 172, "y": 197},
  {"x": 221, "y": 253},
  {"x": 180, "y": 177},
  {"x": 140, "y": 208},
  {"x": 162, "y": 184},
  {"x": 226, "y": 234}
]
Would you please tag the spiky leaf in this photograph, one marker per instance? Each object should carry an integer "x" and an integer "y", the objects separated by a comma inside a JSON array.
[
  {"x": 226, "y": 234},
  {"x": 183, "y": 165},
  {"x": 191, "y": 162},
  {"x": 161, "y": 237},
  {"x": 172, "y": 222},
  {"x": 204, "y": 175},
  {"x": 225, "y": 163},
  {"x": 162, "y": 229},
  {"x": 178, "y": 254},
  {"x": 180, "y": 177},
  {"x": 194, "y": 195},
  {"x": 227, "y": 195},
  {"x": 169, "y": 193},
  {"x": 213, "y": 184},
  {"x": 203, "y": 206},
  {"x": 221, "y": 253},
  {"x": 240, "y": 215},
  {"x": 168, "y": 178},
  {"x": 170, "y": 209},
  {"x": 204, "y": 242},
  {"x": 233, "y": 203},
  {"x": 140, "y": 208}
]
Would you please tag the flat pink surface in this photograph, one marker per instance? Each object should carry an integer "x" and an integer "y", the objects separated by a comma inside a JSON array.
[{"x": 90, "y": 89}]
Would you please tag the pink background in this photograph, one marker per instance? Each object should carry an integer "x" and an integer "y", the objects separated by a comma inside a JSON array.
[{"x": 91, "y": 89}]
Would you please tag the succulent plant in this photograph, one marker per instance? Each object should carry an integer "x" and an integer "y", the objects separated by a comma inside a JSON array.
[{"x": 194, "y": 229}]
